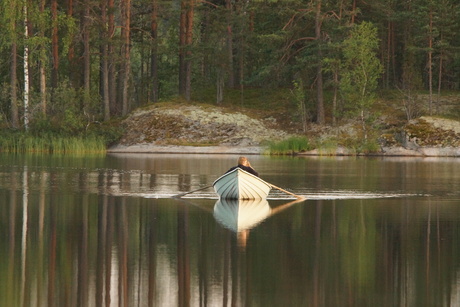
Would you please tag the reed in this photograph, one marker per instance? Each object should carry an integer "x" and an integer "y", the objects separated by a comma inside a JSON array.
[
  {"x": 289, "y": 146},
  {"x": 21, "y": 143}
]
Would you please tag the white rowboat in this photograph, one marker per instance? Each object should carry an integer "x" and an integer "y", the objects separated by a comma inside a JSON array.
[{"x": 239, "y": 184}]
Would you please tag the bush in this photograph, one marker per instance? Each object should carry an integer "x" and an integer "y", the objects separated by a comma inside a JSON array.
[{"x": 110, "y": 132}]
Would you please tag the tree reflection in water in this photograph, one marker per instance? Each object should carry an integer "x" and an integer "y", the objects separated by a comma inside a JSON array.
[{"x": 68, "y": 245}]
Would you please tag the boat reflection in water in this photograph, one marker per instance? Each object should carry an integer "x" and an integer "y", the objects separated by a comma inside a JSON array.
[{"x": 240, "y": 216}]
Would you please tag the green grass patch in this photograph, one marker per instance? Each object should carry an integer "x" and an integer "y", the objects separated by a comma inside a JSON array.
[
  {"x": 25, "y": 143},
  {"x": 289, "y": 146}
]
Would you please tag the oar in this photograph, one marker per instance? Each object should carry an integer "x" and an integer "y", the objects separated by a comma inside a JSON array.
[
  {"x": 282, "y": 190},
  {"x": 183, "y": 194}
]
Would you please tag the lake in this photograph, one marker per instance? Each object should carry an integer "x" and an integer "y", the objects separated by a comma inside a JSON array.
[{"x": 106, "y": 231}]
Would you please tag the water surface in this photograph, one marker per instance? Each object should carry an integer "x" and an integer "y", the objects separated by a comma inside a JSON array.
[{"x": 104, "y": 231}]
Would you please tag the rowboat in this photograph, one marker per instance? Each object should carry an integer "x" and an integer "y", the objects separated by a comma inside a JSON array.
[{"x": 239, "y": 184}]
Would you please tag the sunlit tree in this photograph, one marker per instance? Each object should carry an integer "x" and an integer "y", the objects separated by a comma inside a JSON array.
[{"x": 361, "y": 70}]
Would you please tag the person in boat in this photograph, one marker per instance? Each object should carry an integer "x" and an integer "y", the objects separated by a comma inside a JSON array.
[{"x": 244, "y": 164}]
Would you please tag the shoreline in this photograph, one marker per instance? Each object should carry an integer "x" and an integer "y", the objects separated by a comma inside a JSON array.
[
  {"x": 398, "y": 151},
  {"x": 176, "y": 149}
]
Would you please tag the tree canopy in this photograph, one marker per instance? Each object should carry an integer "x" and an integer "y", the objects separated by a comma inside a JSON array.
[{"x": 108, "y": 56}]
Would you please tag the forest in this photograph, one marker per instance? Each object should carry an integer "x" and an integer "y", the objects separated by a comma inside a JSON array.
[{"x": 67, "y": 66}]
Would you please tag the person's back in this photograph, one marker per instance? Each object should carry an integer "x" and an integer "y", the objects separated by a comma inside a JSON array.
[{"x": 244, "y": 164}]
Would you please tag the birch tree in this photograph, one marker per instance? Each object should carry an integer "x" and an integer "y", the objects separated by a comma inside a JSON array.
[{"x": 361, "y": 70}]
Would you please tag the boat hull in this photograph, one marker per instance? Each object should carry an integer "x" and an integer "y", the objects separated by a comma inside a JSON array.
[{"x": 239, "y": 184}]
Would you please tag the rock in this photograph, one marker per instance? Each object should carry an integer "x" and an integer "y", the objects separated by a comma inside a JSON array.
[
  {"x": 195, "y": 125},
  {"x": 399, "y": 151}
]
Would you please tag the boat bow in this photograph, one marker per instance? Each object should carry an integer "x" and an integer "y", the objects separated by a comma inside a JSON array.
[{"x": 239, "y": 184}]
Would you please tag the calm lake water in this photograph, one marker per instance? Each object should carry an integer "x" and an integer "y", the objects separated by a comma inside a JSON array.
[{"x": 105, "y": 231}]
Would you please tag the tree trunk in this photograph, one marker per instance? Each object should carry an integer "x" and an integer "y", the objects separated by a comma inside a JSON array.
[
  {"x": 188, "y": 43},
  {"x": 319, "y": 74},
  {"x": 126, "y": 54},
  {"x": 430, "y": 64},
  {"x": 388, "y": 56},
  {"x": 231, "y": 74},
  {"x": 241, "y": 12},
  {"x": 393, "y": 53},
  {"x": 154, "y": 57},
  {"x": 353, "y": 12},
  {"x": 86, "y": 50},
  {"x": 441, "y": 55},
  {"x": 71, "y": 53},
  {"x": 111, "y": 59},
  {"x": 43, "y": 97},
  {"x": 55, "y": 43},
  {"x": 185, "y": 44},
  {"x": 104, "y": 62},
  {"x": 334, "y": 99},
  {"x": 182, "y": 34},
  {"x": 13, "y": 85},
  {"x": 220, "y": 86}
]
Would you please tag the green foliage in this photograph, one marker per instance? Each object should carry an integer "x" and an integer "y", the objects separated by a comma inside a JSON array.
[
  {"x": 72, "y": 125},
  {"x": 273, "y": 42},
  {"x": 109, "y": 132},
  {"x": 361, "y": 67},
  {"x": 73, "y": 110},
  {"x": 360, "y": 71},
  {"x": 10, "y": 12}
]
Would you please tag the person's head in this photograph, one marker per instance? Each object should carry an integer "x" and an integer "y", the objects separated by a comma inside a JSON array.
[{"x": 243, "y": 161}]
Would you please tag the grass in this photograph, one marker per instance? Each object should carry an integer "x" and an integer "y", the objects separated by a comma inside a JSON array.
[
  {"x": 24, "y": 143},
  {"x": 289, "y": 146}
]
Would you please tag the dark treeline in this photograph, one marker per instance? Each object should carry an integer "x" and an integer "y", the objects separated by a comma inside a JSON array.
[{"x": 67, "y": 63}]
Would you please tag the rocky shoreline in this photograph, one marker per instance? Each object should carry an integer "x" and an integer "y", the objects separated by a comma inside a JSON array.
[
  {"x": 175, "y": 149},
  {"x": 397, "y": 151},
  {"x": 197, "y": 129},
  {"x": 393, "y": 151}
]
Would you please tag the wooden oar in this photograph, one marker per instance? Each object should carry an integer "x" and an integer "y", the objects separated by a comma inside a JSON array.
[
  {"x": 282, "y": 190},
  {"x": 183, "y": 194}
]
